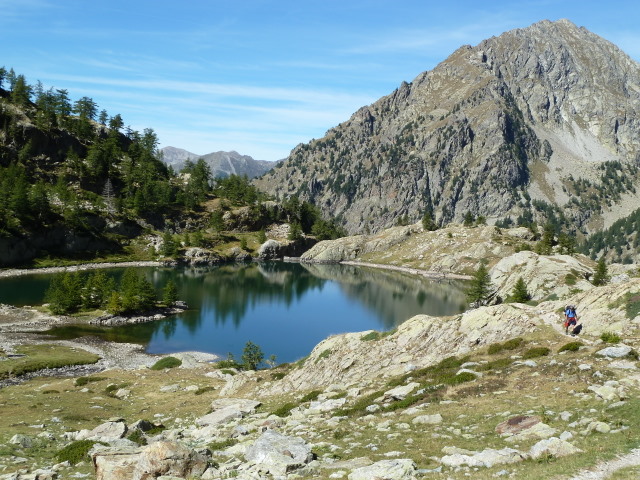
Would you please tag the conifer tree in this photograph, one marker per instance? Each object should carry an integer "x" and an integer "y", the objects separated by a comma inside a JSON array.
[
  {"x": 520, "y": 293},
  {"x": 480, "y": 288},
  {"x": 601, "y": 275}
]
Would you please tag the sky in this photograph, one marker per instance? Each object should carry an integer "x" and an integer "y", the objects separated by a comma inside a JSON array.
[{"x": 261, "y": 76}]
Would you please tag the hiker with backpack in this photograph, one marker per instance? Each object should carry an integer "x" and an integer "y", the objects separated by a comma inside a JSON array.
[{"x": 571, "y": 320}]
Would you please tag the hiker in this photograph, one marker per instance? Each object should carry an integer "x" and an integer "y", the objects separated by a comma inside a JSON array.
[{"x": 570, "y": 319}]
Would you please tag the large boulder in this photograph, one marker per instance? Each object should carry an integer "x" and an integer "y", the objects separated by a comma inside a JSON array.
[
  {"x": 279, "y": 453},
  {"x": 158, "y": 459}
]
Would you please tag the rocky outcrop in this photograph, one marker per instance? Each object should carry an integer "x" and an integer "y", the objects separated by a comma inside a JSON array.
[
  {"x": 418, "y": 342},
  {"x": 543, "y": 274},
  {"x": 523, "y": 116}
]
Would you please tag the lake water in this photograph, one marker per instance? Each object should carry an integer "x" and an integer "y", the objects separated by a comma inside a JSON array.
[{"x": 284, "y": 308}]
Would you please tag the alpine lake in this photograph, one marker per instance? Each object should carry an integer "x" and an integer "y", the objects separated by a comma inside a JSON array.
[{"x": 284, "y": 308}]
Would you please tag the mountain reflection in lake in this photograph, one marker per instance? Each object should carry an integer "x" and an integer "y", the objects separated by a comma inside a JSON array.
[{"x": 284, "y": 308}]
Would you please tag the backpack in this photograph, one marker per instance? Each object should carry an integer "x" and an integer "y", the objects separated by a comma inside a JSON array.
[
  {"x": 576, "y": 330},
  {"x": 570, "y": 311}
]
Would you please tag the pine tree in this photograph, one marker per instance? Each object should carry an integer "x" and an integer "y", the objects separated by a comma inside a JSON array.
[
  {"x": 170, "y": 293},
  {"x": 468, "y": 219},
  {"x": 601, "y": 275},
  {"x": 480, "y": 288},
  {"x": 427, "y": 222},
  {"x": 520, "y": 293}
]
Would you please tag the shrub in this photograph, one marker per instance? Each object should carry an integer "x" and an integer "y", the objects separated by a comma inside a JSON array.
[
  {"x": 536, "y": 352},
  {"x": 252, "y": 356},
  {"x": 571, "y": 347},
  {"x": 324, "y": 354},
  {"x": 370, "y": 336},
  {"x": 610, "y": 337},
  {"x": 278, "y": 375},
  {"x": 166, "y": 362},
  {"x": 222, "y": 444},
  {"x": 82, "y": 381},
  {"x": 138, "y": 437},
  {"x": 76, "y": 451},
  {"x": 203, "y": 390},
  {"x": 494, "y": 365},
  {"x": 513, "y": 343},
  {"x": 570, "y": 279},
  {"x": 311, "y": 396},
  {"x": 284, "y": 410},
  {"x": 230, "y": 362}
]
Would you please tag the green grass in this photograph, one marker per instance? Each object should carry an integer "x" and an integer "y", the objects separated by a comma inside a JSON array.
[
  {"x": 222, "y": 444},
  {"x": 82, "y": 381},
  {"x": 536, "y": 352},
  {"x": 610, "y": 337},
  {"x": 284, "y": 410},
  {"x": 138, "y": 437},
  {"x": 76, "y": 451},
  {"x": 39, "y": 357},
  {"x": 570, "y": 347},
  {"x": 512, "y": 344},
  {"x": 311, "y": 396},
  {"x": 324, "y": 354},
  {"x": 203, "y": 390},
  {"x": 166, "y": 362}
]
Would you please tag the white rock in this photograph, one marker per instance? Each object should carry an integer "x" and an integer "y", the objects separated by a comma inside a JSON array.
[
  {"x": 584, "y": 367},
  {"x": 170, "y": 388},
  {"x": 398, "y": 469},
  {"x": 401, "y": 392},
  {"x": 553, "y": 446},
  {"x": 427, "y": 419},
  {"x": 615, "y": 352},
  {"x": 605, "y": 392},
  {"x": 487, "y": 458}
]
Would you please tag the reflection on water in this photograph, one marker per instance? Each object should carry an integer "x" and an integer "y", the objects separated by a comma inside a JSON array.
[{"x": 285, "y": 308}]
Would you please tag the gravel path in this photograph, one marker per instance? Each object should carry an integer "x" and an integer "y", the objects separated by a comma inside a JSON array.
[{"x": 605, "y": 469}]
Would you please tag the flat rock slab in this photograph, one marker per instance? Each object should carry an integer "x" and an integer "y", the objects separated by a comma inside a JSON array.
[
  {"x": 487, "y": 458},
  {"x": 242, "y": 404},
  {"x": 615, "y": 352},
  {"x": 219, "y": 417},
  {"x": 398, "y": 469}
]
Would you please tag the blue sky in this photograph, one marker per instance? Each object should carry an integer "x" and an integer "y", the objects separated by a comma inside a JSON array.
[{"x": 257, "y": 76}]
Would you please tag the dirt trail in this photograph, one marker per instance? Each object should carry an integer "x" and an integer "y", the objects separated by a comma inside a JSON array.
[{"x": 606, "y": 469}]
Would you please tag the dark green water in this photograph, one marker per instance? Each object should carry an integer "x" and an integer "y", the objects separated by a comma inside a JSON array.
[{"x": 284, "y": 308}]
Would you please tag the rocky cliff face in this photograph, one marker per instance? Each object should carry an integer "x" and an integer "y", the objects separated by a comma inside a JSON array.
[
  {"x": 222, "y": 164},
  {"x": 547, "y": 113}
]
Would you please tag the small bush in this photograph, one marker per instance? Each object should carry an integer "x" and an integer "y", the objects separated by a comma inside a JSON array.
[
  {"x": 138, "y": 437},
  {"x": 222, "y": 444},
  {"x": 494, "y": 365},
  {"x": 513, "y": 343},
  {"x": 571, "y": 347},
  {"x": 278, "y": 375},
  {"x": 76, "y": 451},
  {"x": 166, "y": 362},
  {"x": 112, "y": 388},
  {"x": 228, "y": 371},
  {"x": 50, "y": 392},
  {"x": 82, "y": 381},
  {"x": 536, "y": 352},
  {"x": 311, "y": 396},
  {"x": 284, "y": 410},
  {"x": 370, "y": 336},
  {"x": 203, "y": 390},
  {"x": 610, "y": 337},
  {"x": 508, "y": 345},
  {"x": 459, "y": 378},
  {"x": 325, "y": 354},
  {"x": 570, "y": 279}
]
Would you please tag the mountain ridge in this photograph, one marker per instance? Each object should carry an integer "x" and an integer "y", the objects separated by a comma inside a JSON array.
[
  {"x": 222, "y": 163},
  {"x": 521, "y": 125}
]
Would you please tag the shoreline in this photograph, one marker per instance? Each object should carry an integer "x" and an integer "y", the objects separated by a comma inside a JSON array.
[
  {"x": 411, "y": 270},
  {"x": 17, "y": 272}
]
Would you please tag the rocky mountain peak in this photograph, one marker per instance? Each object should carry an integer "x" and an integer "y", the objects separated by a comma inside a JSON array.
[{"x": 489, "y": 130}]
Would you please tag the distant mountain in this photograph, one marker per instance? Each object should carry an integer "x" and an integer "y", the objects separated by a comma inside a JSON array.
[
  {"x": 537, "y": 124},
  {"x": 222, "y": 164}
]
